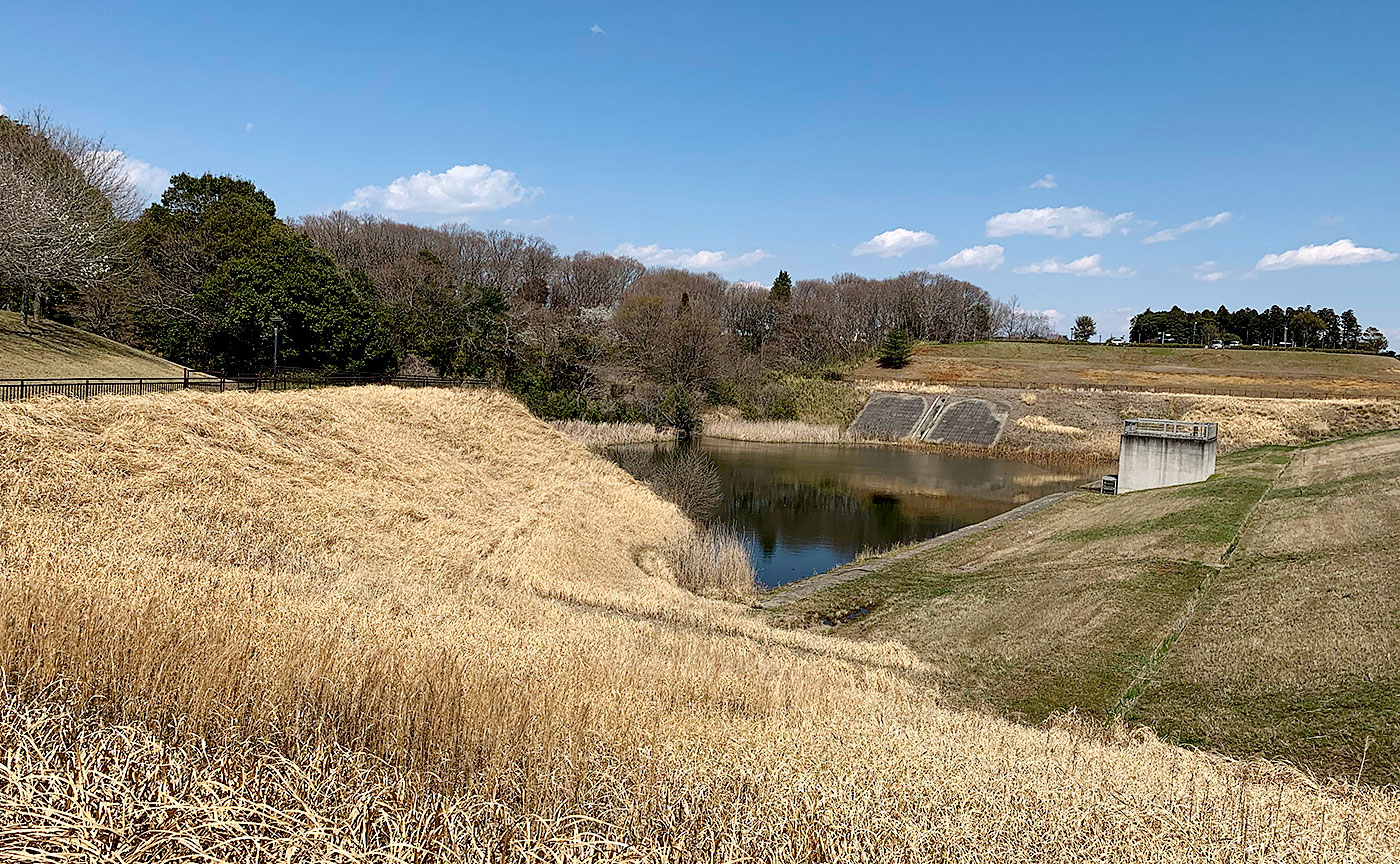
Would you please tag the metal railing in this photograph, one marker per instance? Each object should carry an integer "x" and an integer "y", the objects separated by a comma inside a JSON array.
[
  {"x": 15, "y": 390},
  {"x": 1171, "y": 429}
]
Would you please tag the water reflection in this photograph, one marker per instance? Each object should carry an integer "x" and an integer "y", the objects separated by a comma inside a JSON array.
[{"x": 805, "y": 508}]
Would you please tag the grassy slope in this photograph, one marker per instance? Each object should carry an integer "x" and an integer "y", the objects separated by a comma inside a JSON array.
[
  {"x": 48, "y": 350},
  {"x": 1289, "y": 651},
  {"x": 424, "y": 618},
  {"x": 1295, "y": 653},
  {"x": 1240, "y": 372}
]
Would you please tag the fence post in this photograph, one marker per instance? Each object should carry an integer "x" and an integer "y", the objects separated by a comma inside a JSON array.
[
  {"x": 87, "y": 382},
  {"x": 187, "y": 379}
]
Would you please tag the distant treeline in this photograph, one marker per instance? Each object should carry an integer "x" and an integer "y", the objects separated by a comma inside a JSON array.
[
  {"x": 199, "y": 276},
  {"x": 1303, "y": 327}
]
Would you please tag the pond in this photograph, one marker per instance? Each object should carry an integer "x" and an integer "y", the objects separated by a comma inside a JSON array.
[{"x": 806, "y": 508}]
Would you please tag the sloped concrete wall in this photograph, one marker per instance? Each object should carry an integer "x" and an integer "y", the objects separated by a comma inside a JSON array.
[{"x": 1149, "y": 461}]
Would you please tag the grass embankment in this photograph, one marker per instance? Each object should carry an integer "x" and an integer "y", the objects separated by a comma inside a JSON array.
[
  {"x": 44, "y": 349},
  {"x": 1289, "y": 650},
  {"x": 1040, "y": 365},
  {"x": 390, "y": 625}
]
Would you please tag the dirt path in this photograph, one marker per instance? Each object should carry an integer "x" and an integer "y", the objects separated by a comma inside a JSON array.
[{"x": 812, "y": 584}]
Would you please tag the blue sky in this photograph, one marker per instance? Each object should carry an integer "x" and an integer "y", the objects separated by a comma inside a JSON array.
[{"x": 791, "y": 135}]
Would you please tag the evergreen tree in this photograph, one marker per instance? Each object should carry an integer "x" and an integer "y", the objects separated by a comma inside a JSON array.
[
  {"x": 782, "y": 287},
  {"x": 896, "y": 349},
  {"x": 1084, "y": 327}
]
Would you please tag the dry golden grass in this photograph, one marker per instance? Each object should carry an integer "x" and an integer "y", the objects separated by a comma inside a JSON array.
[
  {"x": 600, "y": 436},
  {"x": 392, "y": 625},
  {"x": 1030, "y": 365},
  {"x": 775, "y": 431},
  {"x": 1046, "y": 426},
  {"x": 1040, "y": 429}
]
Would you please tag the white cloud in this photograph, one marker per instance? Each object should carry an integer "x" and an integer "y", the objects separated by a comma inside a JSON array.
[
  {"x": 541, "y": 222},
  {"x": 248, "y": 127},
  {"x": 1054, "y": 316},
  {"x": 458, "y": 190},
  {"x": 1058, "y": 222},
  {"x": 1343, "y": 252},
  {"x": 150, "y": 180},
  {"x": 1046, "y": 182},
  {"x": 654, "y": 256},
  {"x": 988, "y": 257},
  {"x": 1207, "y": 271},
  {"x": 1194, "y": 225},
  {"x": 2, "y": 110},
  {"x": 597, "y": 31},
  {"x": 892, "y": 244},
  {"x": 1089, "y": 265}
]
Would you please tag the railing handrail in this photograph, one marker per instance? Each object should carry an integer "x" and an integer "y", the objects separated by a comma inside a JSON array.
[
  {"x": 19, "y": 389},
  {"x": 1171, "y": 428}
]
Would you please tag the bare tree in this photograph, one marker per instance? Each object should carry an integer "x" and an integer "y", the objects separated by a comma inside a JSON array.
[
  {"x": 64, "y": 204},
  {"x": 588, "y": 280}
]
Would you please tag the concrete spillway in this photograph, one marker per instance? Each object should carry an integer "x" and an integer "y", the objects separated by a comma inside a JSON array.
[
  {"x": 1156, "y": 453},
  {"x": 935, "y": 419}
]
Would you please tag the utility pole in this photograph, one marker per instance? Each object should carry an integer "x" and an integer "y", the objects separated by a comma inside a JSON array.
[{"x": 276, "y": 340}]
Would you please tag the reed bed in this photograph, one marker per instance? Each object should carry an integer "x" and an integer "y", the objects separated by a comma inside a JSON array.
[
  {"x": 385, "y": 625},
  {"x": 776, "y": 431},
  {"x": 601, "y": 436}
]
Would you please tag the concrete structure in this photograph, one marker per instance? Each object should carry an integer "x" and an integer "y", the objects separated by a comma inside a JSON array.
[
  {"x": 895, "y": 415},
  {"x": 1157, "y": 453},
  {"x": 935, "y": 419},
  {"x": 967, "y": 421}
]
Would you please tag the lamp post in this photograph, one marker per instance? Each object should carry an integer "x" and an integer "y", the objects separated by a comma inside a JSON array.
[{"x": 276, "y": 344}]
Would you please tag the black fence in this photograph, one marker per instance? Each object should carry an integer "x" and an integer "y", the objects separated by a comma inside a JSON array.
[{"x": 14, "y": 390}]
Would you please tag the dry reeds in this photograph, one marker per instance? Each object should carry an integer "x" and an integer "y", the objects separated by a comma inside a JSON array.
[
  {"x": 713, "y": 562},
  {"x": 600, "y": 436},
  {"x": 775, "y": 431},
  {"x": 391, "y": 625}
]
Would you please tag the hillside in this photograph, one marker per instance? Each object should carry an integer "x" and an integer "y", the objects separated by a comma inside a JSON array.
[
  {"x": 422, "y": 625},
  {"x": 1180, "y": 370},
  {"x": 48, "y": 350},
  {"x": 1121, "y": 607}
]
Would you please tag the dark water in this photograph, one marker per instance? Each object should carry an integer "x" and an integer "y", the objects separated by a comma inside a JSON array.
[{"x": 805, "y": 508}]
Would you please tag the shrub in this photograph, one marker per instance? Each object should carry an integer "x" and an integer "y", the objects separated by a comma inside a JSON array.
[{"x": 714, "y": 563}]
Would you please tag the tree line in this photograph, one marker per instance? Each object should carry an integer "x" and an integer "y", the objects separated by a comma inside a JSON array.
[
  {"x": 1302, "y": 327},
  {"x": 198, "y": 276}
]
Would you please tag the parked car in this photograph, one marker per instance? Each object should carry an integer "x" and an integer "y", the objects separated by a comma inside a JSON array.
[
  {"x": 1217, "y": 345},
  {"x": 1235, "y": 343},
  {"x": 1116, "y": 340}
]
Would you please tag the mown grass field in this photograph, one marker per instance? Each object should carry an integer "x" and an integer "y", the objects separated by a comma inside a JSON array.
[
  {"x": 1253, "y": 614},
  {"x": 44, "y": 349},
  {"x": 385, "y": 625},
  {"x": 1259, "y": 373}
]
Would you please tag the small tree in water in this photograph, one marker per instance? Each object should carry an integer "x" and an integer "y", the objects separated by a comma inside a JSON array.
[{"x": 896, "y": 350}]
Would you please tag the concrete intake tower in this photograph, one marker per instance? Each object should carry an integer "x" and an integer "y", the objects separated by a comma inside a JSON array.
[{"x": 1157, "y": 453}]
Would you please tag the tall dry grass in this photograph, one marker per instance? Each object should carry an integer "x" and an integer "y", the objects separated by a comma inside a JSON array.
[
  {"x": 404, "y": 626},
  {"x": 601, "y": 436},
  {"x": 775, "y": 431}
]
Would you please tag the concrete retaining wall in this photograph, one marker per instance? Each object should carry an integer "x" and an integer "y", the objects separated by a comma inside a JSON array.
[{"x": 1150, "y": 461}]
